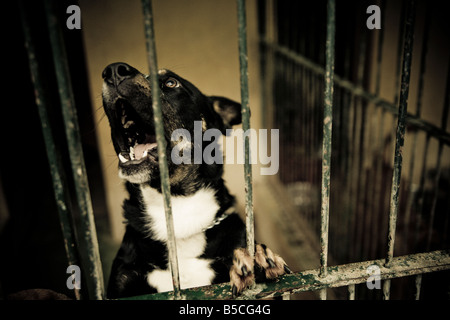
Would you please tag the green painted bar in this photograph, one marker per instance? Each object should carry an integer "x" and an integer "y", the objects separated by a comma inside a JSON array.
[
  {"x": 159, "y": 129},
  {"x": 243, "y": 62},
  {"x": 95, "y": 274},
  {"x": 327, "y": 131},
  {"x": 61, "y": 196},
  {"x": 310, "y": 280}
]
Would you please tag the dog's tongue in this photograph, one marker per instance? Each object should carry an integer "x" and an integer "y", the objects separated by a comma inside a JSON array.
[{"x": 141, "y": 148}]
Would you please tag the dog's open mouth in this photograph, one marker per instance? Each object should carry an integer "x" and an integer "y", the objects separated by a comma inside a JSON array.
[{"x": 138, "y": 140}]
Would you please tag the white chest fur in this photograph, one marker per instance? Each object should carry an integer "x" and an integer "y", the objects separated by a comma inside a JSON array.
[{"x": 191, "y": 214}]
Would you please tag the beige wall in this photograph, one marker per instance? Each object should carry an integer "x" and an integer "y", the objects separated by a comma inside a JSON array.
[{"x": 196, "y": 39}]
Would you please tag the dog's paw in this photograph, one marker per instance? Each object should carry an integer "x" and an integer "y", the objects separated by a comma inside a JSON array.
[
  {"x": 271, "y": 263},
  {"x": 241, "y": 272}
]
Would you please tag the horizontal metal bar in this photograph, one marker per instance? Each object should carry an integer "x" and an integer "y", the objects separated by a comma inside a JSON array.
[
  {"x": 356, "y": 90},
  {"x": 310, "y": 280}
]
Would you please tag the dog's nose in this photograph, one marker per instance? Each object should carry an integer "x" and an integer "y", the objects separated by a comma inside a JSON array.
[{"x": 115, "y": 73}]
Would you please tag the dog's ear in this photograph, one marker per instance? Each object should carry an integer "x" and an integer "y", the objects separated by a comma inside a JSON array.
[{"x": 228, "y": 110}]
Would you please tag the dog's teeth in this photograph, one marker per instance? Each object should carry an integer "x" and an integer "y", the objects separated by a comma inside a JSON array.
[
  {"x": 145, "y": 154},
  {"x": 132, "y": 153},
  {"x": 122, "y": 158}
]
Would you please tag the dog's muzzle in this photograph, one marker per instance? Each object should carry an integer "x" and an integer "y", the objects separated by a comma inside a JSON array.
[{"x": 132, "y": 128}]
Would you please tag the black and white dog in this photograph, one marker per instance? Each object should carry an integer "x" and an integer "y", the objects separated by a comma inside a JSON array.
[{"x": 209, "y": 233}]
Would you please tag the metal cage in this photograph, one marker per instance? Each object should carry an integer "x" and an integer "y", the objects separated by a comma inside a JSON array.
[{"x": 305, "y": 92}]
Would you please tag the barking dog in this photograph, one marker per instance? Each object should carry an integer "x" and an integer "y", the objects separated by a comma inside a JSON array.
[{"x": 209, "y": 233}]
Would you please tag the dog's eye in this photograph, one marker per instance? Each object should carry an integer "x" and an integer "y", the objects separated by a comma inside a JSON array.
[{"x": 171, "y": 83}]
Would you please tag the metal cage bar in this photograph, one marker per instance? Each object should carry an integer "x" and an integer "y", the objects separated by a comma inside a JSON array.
[
  {"x": 420, "y": 89},
  {"x": 159, "y": 129},
  {"x": 327, "y": 133},
  {"x": 243, "y": 63},
  {"x": 400, "y": 135},
  {"x": 75, "y": 151}
]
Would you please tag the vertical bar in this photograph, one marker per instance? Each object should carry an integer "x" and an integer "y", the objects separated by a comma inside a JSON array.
[
  {"x": 75, "y": 150},
  {"x": 243, "y": 62},
  {"x": 351, "y": 292},
  {"x": 418, "y": 285},
  {"x": 423, "y": 58},
  {"x": 262, "y": 27},
  {"x": 159, "y": 129},
  {"x": 380, "y": 50},
  {"x": 421, "y": 192},
  {"x": 400, "y": 47},
  {"x": 387, "y": 289},
  {"x": 61, "y": 196},
  {"x": 327, "y": 130},
  {"x": 400, "y": 136},
  {"x": 377, "y": 193},
  {"x": 378, "y": 146},
  {"x": 361, "y": 176}
]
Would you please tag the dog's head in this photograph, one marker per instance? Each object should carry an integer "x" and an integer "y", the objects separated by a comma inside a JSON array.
[{"x": 127, "y": 100}]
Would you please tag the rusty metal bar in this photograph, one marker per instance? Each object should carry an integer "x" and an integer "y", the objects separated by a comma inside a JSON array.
[
  {"x": 423, "y": 58},
  {"x": 351, "y": 292},
  {"x": 159, "y": 129},
  {"x": 310, "y": 280},
  {"x": 418, "y": 285},
  {"x": 243, "y": 62},
  {"x": 326, "y": 143},
  {"x": 401, "y": 128},
  {"x": 400, "y": 48},
  {"x": 95, "y": 273},
  {"x": 400, "y": 136},
  {"x": 327, "y": 130}
]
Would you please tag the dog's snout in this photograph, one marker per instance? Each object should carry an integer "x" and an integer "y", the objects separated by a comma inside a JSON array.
[{"x": 115, "y": 73}]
